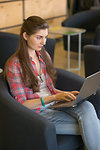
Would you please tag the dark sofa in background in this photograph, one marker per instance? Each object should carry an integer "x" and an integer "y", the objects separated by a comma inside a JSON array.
[{"x": 87, "y": 19}]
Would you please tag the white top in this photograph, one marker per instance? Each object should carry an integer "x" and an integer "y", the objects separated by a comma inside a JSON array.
[{"x": 44, "y": 91}]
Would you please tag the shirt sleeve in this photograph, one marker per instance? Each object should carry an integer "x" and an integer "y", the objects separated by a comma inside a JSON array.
[{"x": 15, "y": 82}]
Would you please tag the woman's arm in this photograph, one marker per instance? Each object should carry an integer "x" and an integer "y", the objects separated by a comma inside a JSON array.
[
  {"x": 61, "y": 95},
  {"x": 36, "y": 103},
  {"x": 18, "y": 91}
]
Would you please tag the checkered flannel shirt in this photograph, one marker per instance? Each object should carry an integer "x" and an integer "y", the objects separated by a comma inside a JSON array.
[{"x": 18, "y": 88}]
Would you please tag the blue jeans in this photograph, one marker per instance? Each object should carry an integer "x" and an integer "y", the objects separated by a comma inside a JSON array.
[{"x": 80, "y": 120}]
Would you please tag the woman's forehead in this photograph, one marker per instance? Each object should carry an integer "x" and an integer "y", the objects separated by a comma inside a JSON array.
[{"x": 42, "y": 32}]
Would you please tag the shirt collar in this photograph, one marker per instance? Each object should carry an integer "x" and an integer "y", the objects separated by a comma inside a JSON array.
[{"x": 39, "y": 56}]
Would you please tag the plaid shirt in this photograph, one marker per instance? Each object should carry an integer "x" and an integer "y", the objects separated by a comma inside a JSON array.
[{"x": 17, "y": 87}]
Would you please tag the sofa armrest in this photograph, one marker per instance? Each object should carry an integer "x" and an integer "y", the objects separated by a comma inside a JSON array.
[{"x": 21, "y": 128}]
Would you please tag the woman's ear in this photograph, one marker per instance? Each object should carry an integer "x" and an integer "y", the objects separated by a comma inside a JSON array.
[{"x": 25, "y": 35}]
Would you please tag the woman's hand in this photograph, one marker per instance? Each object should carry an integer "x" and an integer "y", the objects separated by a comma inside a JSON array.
[
  {"x": 67, "y": 96},
  {"x": 75, "y": 92}
]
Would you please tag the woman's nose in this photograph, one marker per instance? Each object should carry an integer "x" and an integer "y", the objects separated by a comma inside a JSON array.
[{"x": 43, "y": 41}]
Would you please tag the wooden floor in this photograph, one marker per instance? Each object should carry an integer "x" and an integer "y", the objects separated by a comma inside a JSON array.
[{"x": 60, "y": 59}]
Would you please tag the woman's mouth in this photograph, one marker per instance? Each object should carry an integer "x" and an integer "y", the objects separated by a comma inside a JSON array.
[{"x": 40, "y": 46}]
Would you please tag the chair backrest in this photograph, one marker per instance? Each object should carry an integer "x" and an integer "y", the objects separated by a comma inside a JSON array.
[
  {"x": 50, "y": 47},
  {"x": 91, "y": 59},
  {"x": 9, "y": 44},
  {"x": 88, "y": 19},
  {"x": 81, "y": 5}
]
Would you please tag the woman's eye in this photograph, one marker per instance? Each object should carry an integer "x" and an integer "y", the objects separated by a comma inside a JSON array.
[{"x": 38, "y": 37}]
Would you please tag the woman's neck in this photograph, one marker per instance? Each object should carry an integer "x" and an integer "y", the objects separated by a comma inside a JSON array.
[
  {"x": 32, "y": 53},
  {"x": 34, "y": 57}
]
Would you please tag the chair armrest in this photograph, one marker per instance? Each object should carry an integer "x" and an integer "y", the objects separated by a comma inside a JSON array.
[
  {"x": 95, "y": 100},
  {"x": 68, "y": 81},
  {"x": 21, "y": 128},
  {"x": 97, "y": 38}
]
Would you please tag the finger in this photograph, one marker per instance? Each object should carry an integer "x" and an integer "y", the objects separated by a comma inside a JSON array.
[
  {"x": 71, "y": 96},
  {"x": 66, "y": 99},
  {"x": 75, "y": 92}
]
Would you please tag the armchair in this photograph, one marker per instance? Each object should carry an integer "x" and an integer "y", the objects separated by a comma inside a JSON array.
[
  {"x": 21, "y": 128},
  {"x": 89, "y": 20}
]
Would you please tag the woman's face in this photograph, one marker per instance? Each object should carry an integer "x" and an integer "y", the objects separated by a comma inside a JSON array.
[{"x": 36, "y": 41}]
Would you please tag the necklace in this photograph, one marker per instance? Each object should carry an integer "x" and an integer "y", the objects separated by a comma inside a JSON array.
[{"x": 40, "y": 78}]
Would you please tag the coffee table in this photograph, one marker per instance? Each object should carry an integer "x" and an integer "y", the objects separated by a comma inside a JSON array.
[{"x": 69, "y": 31}]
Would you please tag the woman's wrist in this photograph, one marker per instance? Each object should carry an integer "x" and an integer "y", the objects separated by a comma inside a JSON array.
[
  {"x": 58, "y": 91},
  {"x": 49, "y": 99},
  {"x": 42, "y": 101}
]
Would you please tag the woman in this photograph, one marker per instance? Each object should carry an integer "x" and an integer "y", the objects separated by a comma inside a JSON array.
[{"x": 31, "y": 77}]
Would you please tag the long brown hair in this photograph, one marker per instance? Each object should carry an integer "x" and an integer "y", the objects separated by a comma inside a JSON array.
[{"x": 31, "y": 26}]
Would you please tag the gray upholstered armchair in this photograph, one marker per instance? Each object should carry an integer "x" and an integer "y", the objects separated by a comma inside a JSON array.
[{"x": 21, "y": 128}]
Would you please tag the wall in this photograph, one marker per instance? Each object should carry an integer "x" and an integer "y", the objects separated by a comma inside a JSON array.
[{"x": 13, "y": 12}]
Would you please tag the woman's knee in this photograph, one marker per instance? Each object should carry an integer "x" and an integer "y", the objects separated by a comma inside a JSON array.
[
  {"x": 87, "y": 108},
  {"x": 87, "y": 105}
]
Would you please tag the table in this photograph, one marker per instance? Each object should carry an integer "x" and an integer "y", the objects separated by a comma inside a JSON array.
[{"x": 69, "y": 31}]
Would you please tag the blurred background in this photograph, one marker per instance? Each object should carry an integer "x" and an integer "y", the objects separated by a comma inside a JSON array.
[{"x": 12, "y": 13}]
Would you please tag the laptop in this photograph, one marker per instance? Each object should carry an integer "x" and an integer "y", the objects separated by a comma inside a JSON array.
[{"x": 89, "y": 87}]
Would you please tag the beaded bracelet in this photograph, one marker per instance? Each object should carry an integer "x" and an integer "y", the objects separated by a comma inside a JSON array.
[{"x": 42, "y": 102}]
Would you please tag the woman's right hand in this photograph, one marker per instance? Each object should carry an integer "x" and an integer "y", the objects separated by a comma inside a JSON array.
[{"x": 67, "y": 96}]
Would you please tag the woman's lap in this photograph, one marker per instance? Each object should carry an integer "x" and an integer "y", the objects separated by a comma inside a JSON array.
[{"x": 66, "y": 120}]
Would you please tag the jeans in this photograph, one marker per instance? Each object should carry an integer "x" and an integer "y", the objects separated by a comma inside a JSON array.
[{"x": 80, "y": 120}]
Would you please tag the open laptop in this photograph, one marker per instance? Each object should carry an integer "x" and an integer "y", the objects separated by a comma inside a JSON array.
[{"x": 89, "y": 87}]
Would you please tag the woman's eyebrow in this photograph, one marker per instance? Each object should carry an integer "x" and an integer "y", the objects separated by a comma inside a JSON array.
[{"x": 42, "y": 35}]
